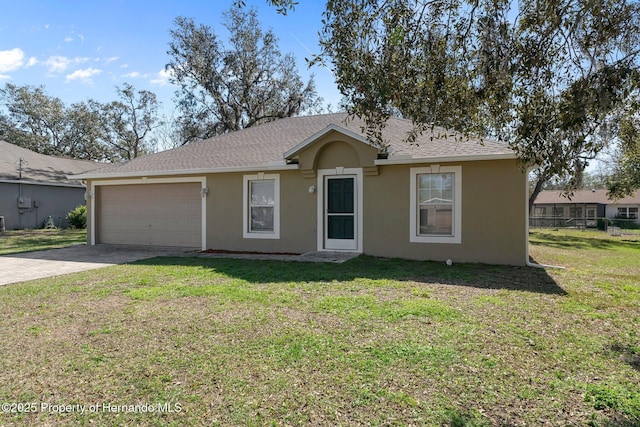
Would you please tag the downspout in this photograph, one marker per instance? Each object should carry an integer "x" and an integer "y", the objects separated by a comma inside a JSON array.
[
  {"x": 20, "y": 160},
  {"x": 526, "y": 201},
  {"x": 18, "y": 204}
]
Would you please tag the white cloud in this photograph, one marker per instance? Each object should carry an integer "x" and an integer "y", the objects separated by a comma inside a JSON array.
[
  {"x": 73, "y": 36},
  {"x": 162, "y": 78},
  {"x": 111, "y": 59},
  {"x": 135, "y": 75},
  {"x": 83, "y": 75},
  {"x": 4, "y": 77},
  {"x": 59, "y": 64},
  {"x": 11, "y": 59},
  {"x": 32, "y": 61}
]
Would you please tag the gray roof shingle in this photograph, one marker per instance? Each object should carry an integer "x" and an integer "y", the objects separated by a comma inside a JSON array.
[
  {"x": 584, "y": 196},
  {"x": 264, "y": 145},
  {"x": 39, "y": 168}
]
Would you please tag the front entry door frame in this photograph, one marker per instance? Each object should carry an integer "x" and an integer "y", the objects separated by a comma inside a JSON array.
[{"x": 325, "y": 244}]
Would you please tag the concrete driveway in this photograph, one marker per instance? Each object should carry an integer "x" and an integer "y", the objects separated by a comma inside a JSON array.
[{"x": 55, "y": 262}]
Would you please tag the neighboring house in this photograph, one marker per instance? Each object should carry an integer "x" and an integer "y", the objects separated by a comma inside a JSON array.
[
  {"x": 315, "y": 183},
  {"x": 552, "y": 209},
  {"x": 34, "y": 187}
]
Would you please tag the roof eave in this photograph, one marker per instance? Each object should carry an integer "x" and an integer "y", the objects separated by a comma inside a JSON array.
[
  {"x": 44, "y": 183},
  {"x": 404, "y": 160},
  {"x": 268, "y": 167}
]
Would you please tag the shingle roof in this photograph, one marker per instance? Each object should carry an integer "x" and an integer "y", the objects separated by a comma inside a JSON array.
[
  {"x": 39, "y": 168},
  {"x": 583, "y": 196},
  {"x": 264, "y": 145}
]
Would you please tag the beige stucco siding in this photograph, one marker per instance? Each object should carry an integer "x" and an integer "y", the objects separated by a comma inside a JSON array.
[
  {"x": 493, "y": 215},
  {"x": 225, "y": 215}
]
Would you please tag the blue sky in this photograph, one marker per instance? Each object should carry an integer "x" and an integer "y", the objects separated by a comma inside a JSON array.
[{"x": 83, "y": 49}]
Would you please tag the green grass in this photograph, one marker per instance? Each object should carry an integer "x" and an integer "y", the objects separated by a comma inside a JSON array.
[
  {"x": 368, "y": 342},
  {"x": 12, "y": 242}
]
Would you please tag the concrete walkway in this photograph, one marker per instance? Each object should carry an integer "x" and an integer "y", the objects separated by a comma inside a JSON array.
[{"x": 55, "y": 262}]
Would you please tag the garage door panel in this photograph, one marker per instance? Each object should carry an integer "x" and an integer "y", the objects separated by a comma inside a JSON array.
[{"x": 151, "y": 214}]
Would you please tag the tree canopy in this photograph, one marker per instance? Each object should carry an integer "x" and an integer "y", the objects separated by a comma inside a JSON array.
[
  {"x": 85, "y": 130},
  {"x": 230, "y": 86},
  {"x": 625, "y": 179},
  {"x": 549, "y": 77},
  {"x": 44, "y": 124},
  {"x": 128, "y": 122}
]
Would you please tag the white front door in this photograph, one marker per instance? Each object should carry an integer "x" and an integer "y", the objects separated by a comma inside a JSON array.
[
  {"x": 340, "y": 212},
  {"x": 340, "y": 209}
]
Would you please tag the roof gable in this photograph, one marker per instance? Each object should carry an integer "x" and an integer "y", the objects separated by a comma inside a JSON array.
[{"x": 318, "y": 135}]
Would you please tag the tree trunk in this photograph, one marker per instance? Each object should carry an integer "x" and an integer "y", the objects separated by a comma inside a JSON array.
[{"x": 537, "y": 189}]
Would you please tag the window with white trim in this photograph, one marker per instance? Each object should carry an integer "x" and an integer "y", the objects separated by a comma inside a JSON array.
[
  {"x": 261, "y": 216},
  {"x": 436, "y": 204},
  {"x": 627, "y": 213}
]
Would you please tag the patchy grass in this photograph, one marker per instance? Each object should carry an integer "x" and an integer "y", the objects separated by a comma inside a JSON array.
[
  {"x": 12, "y": 242},
  {"x": 367, "y": 342}
]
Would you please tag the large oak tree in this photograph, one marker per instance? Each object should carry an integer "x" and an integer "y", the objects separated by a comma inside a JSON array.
[
  {"x": 234, "y": 85},
  {"x": 549, "y": 77}
]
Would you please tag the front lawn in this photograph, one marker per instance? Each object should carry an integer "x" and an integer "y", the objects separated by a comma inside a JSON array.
[
  {"x": 198, "y": 341},
  {"x": 12, "y": 242}
]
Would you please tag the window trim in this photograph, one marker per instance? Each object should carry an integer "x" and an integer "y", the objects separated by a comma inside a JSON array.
[
  {"x": 246, "y": 213},
  {"x": 414, "y": 237},
  {"x": 627, "y": 212}
]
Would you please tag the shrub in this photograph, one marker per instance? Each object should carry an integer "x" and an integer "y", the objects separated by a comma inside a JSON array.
[{"x": 78, "y": 217}]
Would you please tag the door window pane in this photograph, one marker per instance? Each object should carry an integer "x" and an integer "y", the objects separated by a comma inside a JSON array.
[
  {"x": 340, "y": 196},
  {"x": 340, "y": 227}
]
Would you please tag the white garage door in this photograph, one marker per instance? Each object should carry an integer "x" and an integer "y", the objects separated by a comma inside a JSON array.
[{"x": 150, "y": 214}]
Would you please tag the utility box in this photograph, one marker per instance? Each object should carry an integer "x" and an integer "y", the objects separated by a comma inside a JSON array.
[{"x": 24, "y": 202}]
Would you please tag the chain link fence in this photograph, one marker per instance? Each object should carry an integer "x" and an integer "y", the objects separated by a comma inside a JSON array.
[{"x": 613, "y": 226}]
